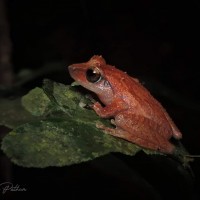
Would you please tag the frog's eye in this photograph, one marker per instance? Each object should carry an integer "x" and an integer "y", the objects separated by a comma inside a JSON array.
[{"x": 93, "y": 75}]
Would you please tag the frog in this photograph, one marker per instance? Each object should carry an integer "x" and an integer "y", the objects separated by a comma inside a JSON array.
[{"x": 136, "y": 115}]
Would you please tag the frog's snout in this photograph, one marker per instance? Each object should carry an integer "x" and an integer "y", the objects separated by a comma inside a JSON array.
[{"x": 71, "y": 68}]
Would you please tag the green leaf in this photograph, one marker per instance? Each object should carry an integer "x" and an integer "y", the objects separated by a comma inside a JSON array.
[
  {"x": 62, "y": 132},
  {"x": 12, "y": 114},
  {"x": 47, "y": 143},
  {"x": 36, "y": 102}
]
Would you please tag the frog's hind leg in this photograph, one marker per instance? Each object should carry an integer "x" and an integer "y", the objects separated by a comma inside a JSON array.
[
  {"x": 142, "y": 134},
  {"x": 131, "y": 137}
]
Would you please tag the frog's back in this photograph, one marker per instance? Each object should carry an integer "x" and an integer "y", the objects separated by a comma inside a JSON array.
[{"x": 141, "y": 102}]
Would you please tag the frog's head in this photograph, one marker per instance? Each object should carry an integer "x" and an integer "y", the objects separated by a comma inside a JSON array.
[{"x": 93, "y": 75}]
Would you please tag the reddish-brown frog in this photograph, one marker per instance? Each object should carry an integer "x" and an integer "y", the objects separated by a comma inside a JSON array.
[{"x": 138, "y": 117}]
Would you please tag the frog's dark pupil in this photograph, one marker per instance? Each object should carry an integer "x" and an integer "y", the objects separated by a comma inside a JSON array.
[{"x": 93, "y": 76}]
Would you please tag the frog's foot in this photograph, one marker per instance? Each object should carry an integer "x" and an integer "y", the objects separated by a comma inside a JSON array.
[
  {"x": 92, "y": 101},
  {"x": 89, "y": 96},
  {"x": 117, "y": 132}
]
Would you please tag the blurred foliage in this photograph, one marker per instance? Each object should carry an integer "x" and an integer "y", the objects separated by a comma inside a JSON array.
[{"x": 57, "y": 130}]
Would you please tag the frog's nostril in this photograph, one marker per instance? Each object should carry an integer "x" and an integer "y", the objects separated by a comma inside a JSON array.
[{"x": 71, "y": 67}]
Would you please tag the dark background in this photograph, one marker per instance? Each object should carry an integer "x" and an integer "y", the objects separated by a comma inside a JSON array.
[{"x": 155, "y": 41}]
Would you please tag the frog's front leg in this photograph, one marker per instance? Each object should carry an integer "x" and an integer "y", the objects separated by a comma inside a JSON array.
[{"x": 110, "y": 110}]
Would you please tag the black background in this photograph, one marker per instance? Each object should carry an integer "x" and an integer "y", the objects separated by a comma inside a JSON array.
[{"x": 157, "y": 41}]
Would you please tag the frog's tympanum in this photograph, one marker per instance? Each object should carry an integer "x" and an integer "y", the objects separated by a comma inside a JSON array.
[{"x": 138, "y": 117}]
